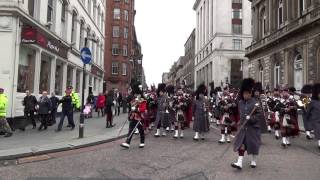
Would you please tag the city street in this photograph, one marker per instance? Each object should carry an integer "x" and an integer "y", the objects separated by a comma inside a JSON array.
[{"x": 166, "y": 158}]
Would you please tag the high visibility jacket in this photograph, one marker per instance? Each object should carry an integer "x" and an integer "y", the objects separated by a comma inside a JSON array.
[
  {"x": 3, "y": 105},
  {"x": 75, "y": 99}
]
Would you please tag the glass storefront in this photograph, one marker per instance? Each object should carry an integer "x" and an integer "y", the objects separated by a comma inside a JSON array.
[
  {"x": 26, "y": 69},
  {"x": 59, "y": 78},
  {"x": 45, "y": 73}
]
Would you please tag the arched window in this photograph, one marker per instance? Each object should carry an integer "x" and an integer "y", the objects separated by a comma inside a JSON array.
[
  {"x": 64, "y": 10},
  {"x": 301, "y": 7},
  {"x": 262, "y": 23},
  {"x": 298, "y": 72},
  {"x": 94, "y": 10},
  {"x": 74, "y": 26},
  {"x": 89, "y": 7},
  {"x": 102, "y": 22},
  {"x": 81, "y": 44},
  {"x": 276, "y": 72},
  {"x": 98, "y": 16},
  {"x": 88, "y": 34}
]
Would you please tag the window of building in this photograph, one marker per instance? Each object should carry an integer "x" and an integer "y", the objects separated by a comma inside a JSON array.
[
  {"x": 94, "y": 10},
  {"x": 301, "y": 7},
  {"x": 45, "y": 73},
  {"x": 69, "y": 76},
  {"x": 237, "y": 28},
  {"x": 126, "y": 15},
  {"x": 276, "y": 75},
  {"x": 26, "y": 70},
  {"x": 125, "y": 50},
  {"x": 237, "y": 1},
  {"x": 116, "y": 31},
  {"x": 264, "y": 25},
  {"x": 31, "y": 7},
  {"x": 117, "y": 14},
  {"x": 261, "y": 74},
  {"x": 50, "y": 11},
  {"x": 73, "y": 27},
  {"x": 98, "y": 17},
  {"x": 81, "y": 44},
  {"x": 97, "y": 52},
  {"x": 237, "y": 44},
  {"x": 124, "y": 69},
  {"x": 280, "y": 13},
  {"x": 126, "y": 1},
  {"x": 116, "y": 0},
  {"x": 102, "y": 22},
  {"x": 58, "y": 78},
  {"x": 115, "y": 68},
  {"x": 125, "y": 33},
  {"x": 89, "y": 7},
  {"x": 237, "y": 14},
  {"x": 115, "y": 49}
]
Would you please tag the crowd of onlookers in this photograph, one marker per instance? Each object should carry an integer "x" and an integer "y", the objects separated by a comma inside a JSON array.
[{"x": 45, "y": 109}]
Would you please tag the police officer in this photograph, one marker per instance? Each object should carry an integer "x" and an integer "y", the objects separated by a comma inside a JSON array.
[
  {"x": 4, "y": 126},
  {"x": 67, "y": 110}
]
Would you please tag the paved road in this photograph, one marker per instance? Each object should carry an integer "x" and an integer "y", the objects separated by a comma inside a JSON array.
[{"x": 166, "y": 158}]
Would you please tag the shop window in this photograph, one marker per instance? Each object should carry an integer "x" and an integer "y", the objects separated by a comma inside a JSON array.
[
  {"x": 31, "y": 7},
  {"x": 45, "y": 73},
  {"x": 59, "y": 78},
  {"x": 26, "y": 70}
]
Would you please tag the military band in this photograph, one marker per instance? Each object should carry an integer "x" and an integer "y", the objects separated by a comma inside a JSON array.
[{"x": 243, "y": 113}]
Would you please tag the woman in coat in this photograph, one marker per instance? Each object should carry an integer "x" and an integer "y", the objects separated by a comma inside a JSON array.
[
  {"x": 249, "y": 135},
  {"x": 44, "y": 110},
  {"x": 200, "y": 113},
  {"x": 100, "y": 104},
  {"x": 313, "y": 112}
]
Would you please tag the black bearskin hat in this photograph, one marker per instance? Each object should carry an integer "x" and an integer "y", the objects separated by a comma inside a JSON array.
[
  {"x": 307, "y": 89},
  {"x": 257, "y": 87},
  {"x": 161, "y": 87},
  {"x": 292, "y": 89},
  {"x": 316, "y": 91},
  {"x": 202, "y": 89},
  {"x": 170, "y": 90},
  {"x": 247, "y": 85},
  {"x": 135, "y": 88}
]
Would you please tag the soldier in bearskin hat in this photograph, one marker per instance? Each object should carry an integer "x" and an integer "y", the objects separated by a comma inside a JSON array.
[
  {"x": 249, "y": 135},
  {"x": 258, "y": 92},
  {"x": 162, "y": 115},
  {"x": 138, "y": 107},
  {"x": 200, "y": 113},
  {"x": 305, "y": 100},
  {"x": 313, "y": 111},
  {"x": 170, "y": 109}
]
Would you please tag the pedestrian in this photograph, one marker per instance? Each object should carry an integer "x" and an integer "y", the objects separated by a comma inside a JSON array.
[
  {"x": 139, "y": 106},
  {"x": 200, "y": 113},
  {"x": 313, "y": 112},
  {"x": 4, "y": 125},
  {"x": 162, "y": 120},
  {"x": 30, "y": 102},
  {"x": 44, "y": 110},
  {"x": 101, "y": 101},
  {"x": 75, "y": 98},
  {"x": 67, "y": 110},
  {"x": 249, "y": 135},
  {"x": 54, "y": 108},
  {"x": 117, "y": 101},
  {"x": 109, "y": 104}
]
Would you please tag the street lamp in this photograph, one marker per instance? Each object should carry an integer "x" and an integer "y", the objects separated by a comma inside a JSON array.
[{"x": 81, "y": 125}]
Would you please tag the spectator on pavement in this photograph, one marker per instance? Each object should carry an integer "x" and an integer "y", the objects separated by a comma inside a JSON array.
[
  {"x": 109, "y": 104},
  {"x": 101, "y": 101},
  {"x": 4, "y": 126},
  {"x": 54, "y": 107},
  {"x": 90, "y": 99},
  {"x": 75, "y": 98},
  {"x": 44, "y": 110},
  {"x": 67, "y": 110},
  {"x": 30, "y": 102}
]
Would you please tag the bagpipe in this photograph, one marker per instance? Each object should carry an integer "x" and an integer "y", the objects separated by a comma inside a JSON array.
[{"x": 138, "y": 106}]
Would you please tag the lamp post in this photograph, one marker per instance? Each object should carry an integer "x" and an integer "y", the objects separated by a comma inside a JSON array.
[{"x": 81, "y": 125}]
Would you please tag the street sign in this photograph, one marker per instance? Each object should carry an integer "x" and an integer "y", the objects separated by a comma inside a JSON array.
[{"x": 86, "y": 55}]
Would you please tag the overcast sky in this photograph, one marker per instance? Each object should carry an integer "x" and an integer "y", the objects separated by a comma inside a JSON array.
[{"x": 163, "y": 27}]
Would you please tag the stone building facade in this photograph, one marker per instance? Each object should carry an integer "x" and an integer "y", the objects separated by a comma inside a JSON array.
[
  {"x": 286, "y": 42},
  {"x": 188, "y": 61}
]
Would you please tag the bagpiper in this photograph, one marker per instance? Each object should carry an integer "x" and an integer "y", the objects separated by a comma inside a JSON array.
[
  {"x": 260, "y": 97},
  {"x": 303, "y": 104},
  {"x": 248, "y": 137},
  {"x": 275, "y": 106},
  {"x": 152, "y": 106},
  {"x": 313, "y": 112},
  {"x": 180, "y": 107},
  {"x": 138, "y": 107},
  {"x": 162, "y": 120},
  {"x": 170, "y": 110},
  {"x": 200, "y": 113}
]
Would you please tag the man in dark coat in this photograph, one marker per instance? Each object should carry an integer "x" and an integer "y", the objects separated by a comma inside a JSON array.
[
  {"x": 313, "y": 112},
  {"x": 108, "y": 108},
  {"x": 30, "y": 103},
  {"x": 258, "y": 91},
  {"x": 54, "y": 107},
  {"x": 44, "y": 110},
  {"x": 307, "y": 93},
  {"x": 162, "y": 116},
  {"x": 67, "y": 110},
  {"x": 249, "y": 135}
]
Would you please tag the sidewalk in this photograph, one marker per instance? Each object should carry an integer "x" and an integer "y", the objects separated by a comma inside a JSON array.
[{"x": 34, "y": 142}]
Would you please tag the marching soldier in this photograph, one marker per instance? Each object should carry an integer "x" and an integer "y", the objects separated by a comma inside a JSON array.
[
  {"x": 180, "y": 105},
  {"x": 162, "y": 120},
  {"x": 305, "y": 100},
  {"x": 249, "y": 135},
  {"x": 170, "y": 109},
  {"x": 138, "y": 107},
  {"x": 258, "y": 92},
  {"x": 200, "y": 113},
  {"x": 313, "y": 112}
]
